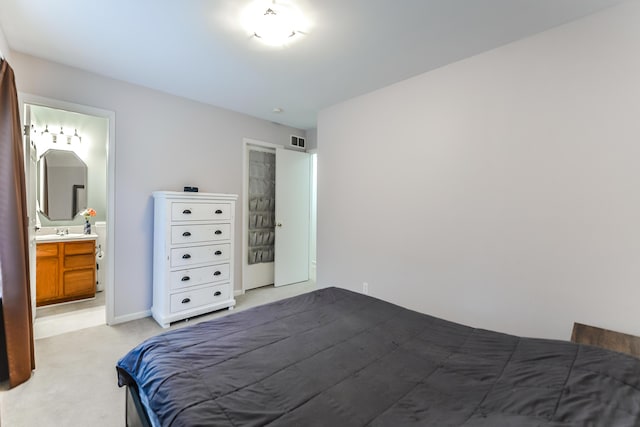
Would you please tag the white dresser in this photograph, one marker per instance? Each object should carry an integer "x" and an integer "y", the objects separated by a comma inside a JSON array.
[{"x": 192, "y": 254}]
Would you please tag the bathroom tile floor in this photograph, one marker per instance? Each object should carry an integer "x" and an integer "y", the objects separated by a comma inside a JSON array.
[
  {"x": 67, "y": 317},
  {"x": 67, "y": 307}
]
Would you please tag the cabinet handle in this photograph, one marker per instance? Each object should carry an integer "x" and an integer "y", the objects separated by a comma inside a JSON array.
[
  {"x": 186, "y": 211},
  {"x": 218, "y": 211},
  {"x": 186, "y": 300},
  {"x": 186, "y": 234},
  {"x": 218, "y": 231},
  {"x": 216, "y": 253},
  {"x": 217, "y": 294},
  {"x": 186, "y": 278},
  {"x": 186, "y": 256},
  {"x": 217, "y": 273}
]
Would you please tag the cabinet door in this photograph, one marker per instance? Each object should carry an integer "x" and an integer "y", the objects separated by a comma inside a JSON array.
[
  {"x": 77, "y": 283},
  {"x": 47, "y": 277}
]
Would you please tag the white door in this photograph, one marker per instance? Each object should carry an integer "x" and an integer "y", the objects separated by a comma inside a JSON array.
[
  {"x": 31, "y": 174},
  {"x": 293, "y": 183}
]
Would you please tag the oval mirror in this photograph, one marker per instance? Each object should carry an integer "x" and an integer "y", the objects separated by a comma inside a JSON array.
[{"x": 62, "y": 184}]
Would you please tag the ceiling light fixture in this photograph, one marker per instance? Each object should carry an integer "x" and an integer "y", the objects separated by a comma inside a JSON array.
[
  {"x": 274, "y": 23},
  {"x": 274, "y": 27}
]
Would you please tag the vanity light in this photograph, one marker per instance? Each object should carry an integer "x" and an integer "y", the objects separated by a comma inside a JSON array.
[
  {"x": 53, "y": 138},
  {"x": 47, "y": 137}
]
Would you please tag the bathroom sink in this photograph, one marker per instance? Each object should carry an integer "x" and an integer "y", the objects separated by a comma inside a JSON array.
[{"x": 65, "y": 237}]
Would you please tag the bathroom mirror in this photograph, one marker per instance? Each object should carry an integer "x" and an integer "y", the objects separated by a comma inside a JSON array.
[{"x": 62, "y": 184}]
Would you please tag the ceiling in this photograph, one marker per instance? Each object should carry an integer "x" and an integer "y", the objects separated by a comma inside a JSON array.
[{"x": 197, "y": 49}]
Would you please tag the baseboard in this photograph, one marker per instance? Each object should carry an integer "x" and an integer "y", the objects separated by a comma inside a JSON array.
[
  {"x": 130, "y": 317},
  {"x": 237, "y": 292}
]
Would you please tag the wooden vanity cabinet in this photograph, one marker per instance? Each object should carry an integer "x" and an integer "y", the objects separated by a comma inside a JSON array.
[{"x": 65, "y": 271}]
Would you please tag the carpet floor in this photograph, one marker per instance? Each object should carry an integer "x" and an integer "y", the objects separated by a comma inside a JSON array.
[{"x": 75, "y": 383}]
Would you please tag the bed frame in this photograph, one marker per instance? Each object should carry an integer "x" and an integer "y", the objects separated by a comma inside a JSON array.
[{"x": 135, "y": 414}]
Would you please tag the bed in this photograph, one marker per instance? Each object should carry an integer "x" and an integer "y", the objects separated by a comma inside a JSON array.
[{"x": 338, "y": 358}]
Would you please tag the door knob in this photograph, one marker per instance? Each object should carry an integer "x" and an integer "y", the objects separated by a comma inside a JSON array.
[{"x": 279, "y": 224}]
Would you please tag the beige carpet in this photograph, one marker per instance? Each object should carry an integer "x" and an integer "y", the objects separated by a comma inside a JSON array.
[{"x": 75, "y": 379}]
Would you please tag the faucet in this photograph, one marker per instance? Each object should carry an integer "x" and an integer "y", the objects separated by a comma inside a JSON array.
[{"x": 62, "y": 231}]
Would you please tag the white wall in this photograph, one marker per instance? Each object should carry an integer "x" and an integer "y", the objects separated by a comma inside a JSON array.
[
  {"x": 163, "y": 142},
  {"x": 501, "y": 191}
]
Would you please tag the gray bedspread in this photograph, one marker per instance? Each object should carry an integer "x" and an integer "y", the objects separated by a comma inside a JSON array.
[{"x": 338, "y": 358}]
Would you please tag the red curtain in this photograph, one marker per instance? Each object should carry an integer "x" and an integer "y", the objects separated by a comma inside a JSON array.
[{"x": 14, "y": 243}]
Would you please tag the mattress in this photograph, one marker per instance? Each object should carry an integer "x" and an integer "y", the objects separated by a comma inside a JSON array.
[{"x": 337, "y": 358}]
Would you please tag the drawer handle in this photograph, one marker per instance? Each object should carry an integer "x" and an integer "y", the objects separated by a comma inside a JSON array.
[
  {"x": 218, "y": 231},
  {"x": 186, "y": 234},
  {"x": 217, "y": 253},
  {"x": 217, "y": 273},
  {"x": 186, "y": 300},
  {"x": 217, "y": 294},
  {"x": 186, "y": 211},
  {"x": 186, "y": 256},
  {"x": 185, "y": 278},
  {"x": 218, "y": 211}
]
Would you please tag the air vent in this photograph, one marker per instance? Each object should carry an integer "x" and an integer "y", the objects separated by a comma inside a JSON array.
[{"x": 298, "y": 142}]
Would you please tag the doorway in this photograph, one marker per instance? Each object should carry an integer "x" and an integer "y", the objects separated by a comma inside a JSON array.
[
  {"x": 56, "y": 135},
  {"x": 277, "y": 226}
]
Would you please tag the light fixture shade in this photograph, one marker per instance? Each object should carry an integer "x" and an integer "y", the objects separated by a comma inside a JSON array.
[
  {"x": 47, "y": 137},
  {"x": 61, "y": 137},
  {"x": 75, "y": 139}
]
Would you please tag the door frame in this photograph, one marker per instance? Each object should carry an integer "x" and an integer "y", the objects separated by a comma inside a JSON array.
[
  {"x": 247, "y": 143},
  {"x": 313, "y": 217},
  {"x": 26, "y": 98}
]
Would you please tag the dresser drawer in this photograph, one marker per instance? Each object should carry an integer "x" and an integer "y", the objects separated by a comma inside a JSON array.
[
  {"x": 198, "y": 297},
  {"x": 75, "y": 248},
  {"x": 181, "y": 211},
  {"x": 199, "y": 233},
  {"x": 80, "y": 261},
  {"x": 200, "y": 255},
  {"x": 46, "y": 249},
  {"x": 199, "y": 276}
]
